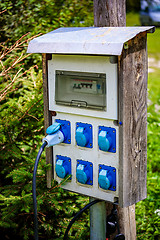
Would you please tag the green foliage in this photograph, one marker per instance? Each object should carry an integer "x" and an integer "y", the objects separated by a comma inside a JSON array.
[
  {"x": 133, "y": 5},
  {"x": 153, "y": 44},
  {"x": 132, "y": 19},
  {"x": 43, "y": 16},
  {"x": 148, "y": 211},
  {"x": 154, "y": 123},
  {"x": 21, "y": 132},
  {"x": 21, "y": 120},
  {"x": 20, "y": 138}
]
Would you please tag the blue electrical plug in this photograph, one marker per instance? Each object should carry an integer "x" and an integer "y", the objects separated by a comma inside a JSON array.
[
  {"x": 53, "y": 128},
  {"x": 84, "y": 172},
  {"x": 63, "y": 166},
  {"x": 107, "y": 177},
  {"x": 104, "y": 180},
  {"x": 55, "y": 135},
  {"x": 65, "y": 128},
  {"x": 84, "y": 135},
  {"x": 107, "y": 139},
  {"x": 58, "y": 132}
]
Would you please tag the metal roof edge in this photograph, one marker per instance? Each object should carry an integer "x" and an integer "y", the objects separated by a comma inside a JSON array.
[{"x": 86, "y": 40}]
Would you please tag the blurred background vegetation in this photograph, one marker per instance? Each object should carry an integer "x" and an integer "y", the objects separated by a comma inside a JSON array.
[{"x": 21, "y": 120}]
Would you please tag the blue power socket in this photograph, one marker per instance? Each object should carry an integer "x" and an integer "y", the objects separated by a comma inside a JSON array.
[
  {"x": 84, "y": 172},
  {"x": 84, "y": 135},
  {"x": 63, "y": 166},
  {"x": 66, "y": 130},
  {"x": 107, "y": 177},
  {"x": 107, "y": 139}
]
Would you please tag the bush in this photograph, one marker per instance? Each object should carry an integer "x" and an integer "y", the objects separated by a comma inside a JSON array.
[
  {"x": 22, "y": 122},
  {"x": 21, "y": 135},
  {"x": 42, "y": 16},
  {"x": 22, "y": 130}
]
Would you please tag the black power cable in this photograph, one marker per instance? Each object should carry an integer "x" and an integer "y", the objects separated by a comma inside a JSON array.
[
  {"x": 77, "y": 215},
  {"x": 34, "y": 190},
  {"x": 113, "y": 224},
  {"x": 35, "y": 200}
]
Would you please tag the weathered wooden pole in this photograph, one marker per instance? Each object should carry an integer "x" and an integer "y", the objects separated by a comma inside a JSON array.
[
  {"x": 109, "y": 13},
  {"x": 112, "y": 13},
  {"x": 47, "y": 114}
]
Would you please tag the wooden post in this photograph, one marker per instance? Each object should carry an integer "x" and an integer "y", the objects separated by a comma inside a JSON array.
[
  {"x": 109, "y": 13},
  {"x": 112, "y": 13},
  {"x": 47, "y": 114},
  {"x": 133, "y": 114}
]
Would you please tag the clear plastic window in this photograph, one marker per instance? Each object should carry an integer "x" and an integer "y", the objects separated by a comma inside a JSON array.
[{"x": 79, "y": 89}]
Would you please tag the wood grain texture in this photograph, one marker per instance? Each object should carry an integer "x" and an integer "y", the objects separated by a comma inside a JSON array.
[
  {"x": 127, "y": 222},
  {"x": 109, "y": 13},
  {"x": 133, "y": 115},
  {"x": 47, "y": 115}
]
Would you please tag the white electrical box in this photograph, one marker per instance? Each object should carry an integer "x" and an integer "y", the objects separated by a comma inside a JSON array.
[
  {"x": 83, "y": 93},
  {"x": 100, "y": 107}
]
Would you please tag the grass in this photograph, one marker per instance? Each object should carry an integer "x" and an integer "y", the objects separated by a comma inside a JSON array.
[
  {"x": 153, "y": 44},
  {"x": 132, "y": 19}
]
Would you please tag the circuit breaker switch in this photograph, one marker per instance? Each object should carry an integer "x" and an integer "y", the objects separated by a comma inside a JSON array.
[
  {"x": 104, "y": 141},
  {"x": 81, "y": 137},
  {"x": 82, "y": 174},
  {"x": 104, "y": 180}
]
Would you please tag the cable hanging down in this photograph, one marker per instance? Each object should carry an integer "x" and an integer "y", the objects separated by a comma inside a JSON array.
[
  {"x": 34, "y": 190},
  {"x": 35, "y": 200},
  {"x": 77, "y": 215}
]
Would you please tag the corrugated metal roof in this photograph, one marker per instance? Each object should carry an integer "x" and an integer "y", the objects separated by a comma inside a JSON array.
[{"x": 85, "y": 40}]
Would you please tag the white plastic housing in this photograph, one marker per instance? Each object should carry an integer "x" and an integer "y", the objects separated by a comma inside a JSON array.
[
  {"x": 92, "y": 64},
  {"x": 105, "y": 117}
]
